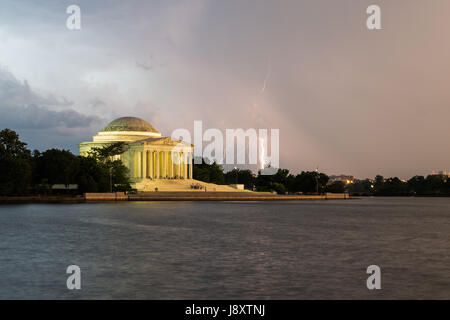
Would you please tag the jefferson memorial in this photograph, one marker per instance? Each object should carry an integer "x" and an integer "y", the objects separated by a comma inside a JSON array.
[{"x": 150, "y": 156}]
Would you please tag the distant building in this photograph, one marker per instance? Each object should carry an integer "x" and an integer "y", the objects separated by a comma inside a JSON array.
[
  {"x": 346, "y": 179},
  {"x": 444, "y": 173},
  {"x": 149, "y": 155}
]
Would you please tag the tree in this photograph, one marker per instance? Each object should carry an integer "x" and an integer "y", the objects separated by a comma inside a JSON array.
[
  {"x": 55, "y": 166},
  {"x": 278, "y": 187},
  {"x": 323, "y": 181},
  {"x": 92, "y": 176},
  {"x": 263, "y": 182},
  {"x": 15, "y": 164},
  {"x": 361, "y": 187},
  {"x": 117, "y": 173},
  {"x": 216, "y": 174},
  {"x": 120, "y": 176},
  {"x": 209, "y": 172},
  {"x": 416, "y": 185},
  {"x": 389, "y": 187},
  {"x": 309, "y": 182},
  {"x": 245, "y": 177},
  {"x": 434, "y": 184},
  {"x": 335, "y": 187},
  {"x": 108, "y": 152},
  {"x": 10, "y": 145}
]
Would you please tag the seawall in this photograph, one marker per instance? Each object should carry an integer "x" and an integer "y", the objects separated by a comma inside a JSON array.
[
  {"x": 227, "y": 196},
  {"x": 172, "y": 196}
]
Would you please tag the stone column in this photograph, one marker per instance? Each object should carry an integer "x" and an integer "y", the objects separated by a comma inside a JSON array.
[
  {"x": 177, "y": 165},
  {"x": 135, "y": 168},
  {"x": 185, "y": 165},
  {"x": 180, "y": 165},
  {"x": 173, "y": 159},
  {"x": 157, "y": 165},
  {"x": 174, "y": 164},
  {"x": 164, "y": 164},
  {"x": 170, "y": 164},
  {"x": 153, "y": 164},
  {"x": 190, "y": 166},
  {"x": 161, "y": 164},
  {"x": 139, "y": 164},
  {"x": 150, "y": 164},
  {"x": 144, "y": 164},
  {"x": 167, "y": 163}
]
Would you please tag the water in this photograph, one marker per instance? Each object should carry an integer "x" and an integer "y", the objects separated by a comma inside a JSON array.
[{"x": 227, "y": 250}]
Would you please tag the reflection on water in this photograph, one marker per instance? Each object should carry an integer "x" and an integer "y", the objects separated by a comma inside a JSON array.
[{"x": 213, "y": 250}]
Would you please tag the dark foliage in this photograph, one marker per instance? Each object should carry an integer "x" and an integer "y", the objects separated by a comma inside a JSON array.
[
  {"x": 209, "y": 172},
  {"x": 24, "y": 173}
]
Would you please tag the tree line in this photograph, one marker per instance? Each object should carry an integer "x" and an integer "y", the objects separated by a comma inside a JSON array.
[
  {"x": 429, "y": 186},
  {"x": 310, "y": 182},
  {"x": 281, "y": 182},
  {"x": 24, "y": 172}
]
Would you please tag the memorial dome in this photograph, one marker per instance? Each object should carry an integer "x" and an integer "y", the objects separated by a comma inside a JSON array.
[{"x": 129, "y": 124}]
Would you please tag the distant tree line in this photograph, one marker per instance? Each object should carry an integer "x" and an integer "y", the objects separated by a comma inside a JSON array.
[
  {"x": 432, "y": 185},
  {"x": 281, "y": 182},
  {"x": 24, "y": 172},
  {"x": 311, "y": 182}
]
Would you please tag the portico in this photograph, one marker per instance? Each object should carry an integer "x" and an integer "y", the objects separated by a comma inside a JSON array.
[{"x": 161, "y": 158}]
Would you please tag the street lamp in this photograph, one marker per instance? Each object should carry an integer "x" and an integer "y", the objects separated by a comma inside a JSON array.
[
  {"x": 235, "y": 168},
  {"x": 317, "y": 180}
]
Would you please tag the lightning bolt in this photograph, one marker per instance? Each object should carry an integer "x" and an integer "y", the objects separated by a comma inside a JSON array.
[
  {"x": 266, "y": 79},
  {"x": 261, "y": 153}
]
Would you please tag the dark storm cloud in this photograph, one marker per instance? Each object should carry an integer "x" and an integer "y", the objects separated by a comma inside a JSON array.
[
  {"x": 15, "y": 93},
  {"x": 22, "y": 108},
  {"x": 35, "y": 117}
]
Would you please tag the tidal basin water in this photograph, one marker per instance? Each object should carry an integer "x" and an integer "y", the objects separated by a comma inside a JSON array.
[{"x": 227, "y": 250}]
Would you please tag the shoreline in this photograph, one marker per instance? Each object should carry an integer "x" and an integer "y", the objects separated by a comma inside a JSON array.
[{"x": 172, "y": 196}]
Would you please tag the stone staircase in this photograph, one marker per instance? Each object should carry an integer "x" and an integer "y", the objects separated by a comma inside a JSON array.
[{"x": 182, "y": 185}]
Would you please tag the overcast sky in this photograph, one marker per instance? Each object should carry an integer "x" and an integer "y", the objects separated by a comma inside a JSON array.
[{"x": 345, "y": 99}]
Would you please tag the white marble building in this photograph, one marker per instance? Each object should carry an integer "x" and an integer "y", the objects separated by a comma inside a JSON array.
[{"x": 149, "y": 155}]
